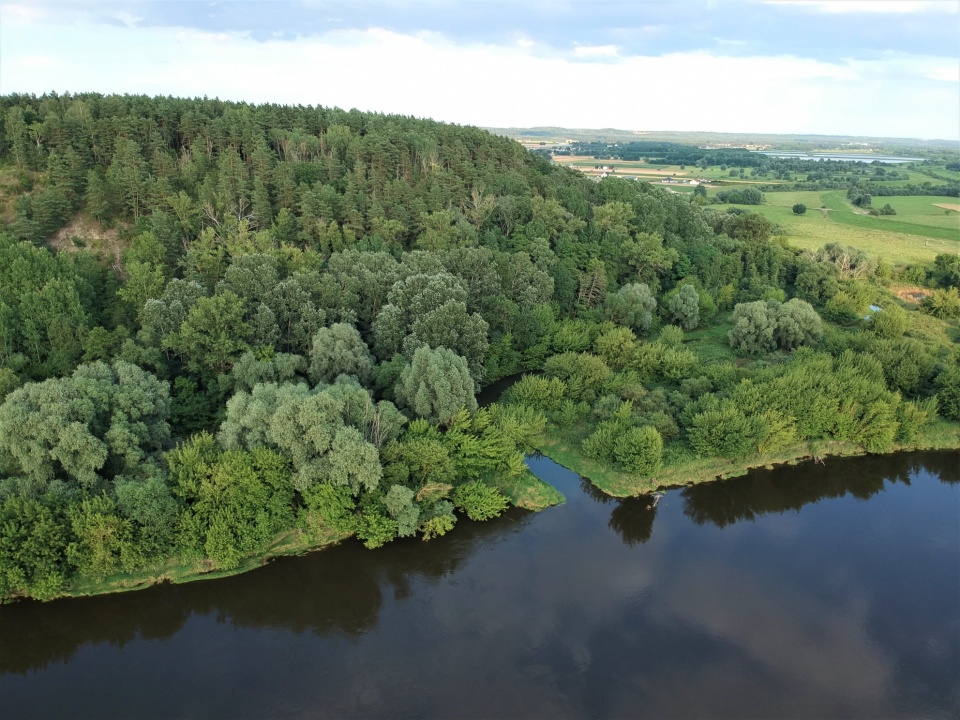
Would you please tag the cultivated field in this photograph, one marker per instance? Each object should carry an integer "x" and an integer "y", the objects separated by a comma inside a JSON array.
[{"x": 837, "y": 222}]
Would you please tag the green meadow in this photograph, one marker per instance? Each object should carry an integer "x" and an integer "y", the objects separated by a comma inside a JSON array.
[{"x": 916, "y": 234}]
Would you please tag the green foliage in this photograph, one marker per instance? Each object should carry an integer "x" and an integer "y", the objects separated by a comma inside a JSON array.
[
  {"x": 631, "y": 306},
  {"x": 639, "y": 450},
  {"x": 583, "y": 373},
  {"x": 339, "y": 350},
  {"x": 399, "y": 502},
  {"x": 99, "y": 422},
  {"x": 799, "y": 209},
  {"x": 236, "y": 501},
  {"x": 541, "y": 393},
  {"x": 797, "y": 324},
  {"x": 103, "y": 539},
  {"x": 670, "y": 336},
  {"x": 436, "y": 384},
  {"x": 615, "y": 346},
  {"x": 683, "y": 308},
  {"x": 913, "y": 416},
  {"x": 214, "y": 334},
  {"x": 33, "y": 544},
  {"x": 330, "y": 506},
  {"x": 890, "y": 322},
  {"x": 479, "y": 501},
  {"x": 944, "y": 304},
  {"x": 948, "y": 392},
  {"x": 761, "y": 327},
  {"x": 725, "y": 431},
  {"x": 754, "y": 328}
]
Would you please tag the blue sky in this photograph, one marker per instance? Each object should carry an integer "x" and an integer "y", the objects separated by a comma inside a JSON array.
[{"x": 887, "y": 67}]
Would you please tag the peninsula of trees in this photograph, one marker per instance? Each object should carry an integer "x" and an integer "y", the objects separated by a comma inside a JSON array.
[{"x": 229, "y": 331}]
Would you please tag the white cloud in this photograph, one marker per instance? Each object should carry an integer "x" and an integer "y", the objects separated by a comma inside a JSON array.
[
  {"x": 590, "y": 51},
  {"x": 518, "y": 84},
  {"x": 897, "y": 7}
]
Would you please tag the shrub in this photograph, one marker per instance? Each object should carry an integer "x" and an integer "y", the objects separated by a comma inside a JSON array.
[
  {"x": 683, "y": 308},
  {"x": 541, "y": 393},
  {"x": 754, "y": 327},
  {"x": 799, "y": 209},
  {"x": 948, "y": 393},
  {"x": 479, "y": 501},
  {"x": 670, "y": 336},
  {"x": 639, "y": 450},
  {"x": 944, "y": 304},
  {"x": 797, "y": 323},
  {"x": 891, "y": 322}
]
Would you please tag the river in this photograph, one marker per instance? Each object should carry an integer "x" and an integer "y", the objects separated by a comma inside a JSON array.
[{"x": 821, "y": 590}]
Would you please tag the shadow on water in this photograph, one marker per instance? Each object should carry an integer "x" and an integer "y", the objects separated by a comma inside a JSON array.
[
  {"x": 337, "y": 591},
  {"x": 849, "y": 610},
  {"x": 763, "y": 491}
]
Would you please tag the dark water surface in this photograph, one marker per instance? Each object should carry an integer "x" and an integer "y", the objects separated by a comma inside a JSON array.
[{"x": 818, "y": 591}]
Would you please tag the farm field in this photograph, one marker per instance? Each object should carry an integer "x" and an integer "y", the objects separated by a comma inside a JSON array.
[{"x": 821, "y": 226}]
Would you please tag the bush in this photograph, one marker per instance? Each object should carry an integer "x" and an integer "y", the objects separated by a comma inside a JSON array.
[
  {"x": 797, "y": 324},
  {"x": 479, "y": 501},
  {"x": 948, "y": 393},
  {"x": 639, "y": 450},
  {"x": 670, "y": 336},
  {"x": 799, "y": 209},
  {"x": 943, "y": 304},
  {"x": 891, "y": 322},
  {"x": 754, "y": 325},
  {"x": 540, "y": 393},
  {"x": 683, "y": 308}
]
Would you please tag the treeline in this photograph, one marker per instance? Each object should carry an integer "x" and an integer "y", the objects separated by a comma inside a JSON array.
[{"x": 286, "y": 333}]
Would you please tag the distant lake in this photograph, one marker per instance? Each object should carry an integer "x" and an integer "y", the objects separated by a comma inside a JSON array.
[
  {"x": 815, "y": 591},
  {"x": 850, "y": 157}
]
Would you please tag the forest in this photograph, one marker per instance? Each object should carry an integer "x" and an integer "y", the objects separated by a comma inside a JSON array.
[{"x": 273, "y": 336}]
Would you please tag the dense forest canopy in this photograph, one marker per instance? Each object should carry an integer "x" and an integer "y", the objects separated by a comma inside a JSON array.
[{"x": 282, "y": 319}]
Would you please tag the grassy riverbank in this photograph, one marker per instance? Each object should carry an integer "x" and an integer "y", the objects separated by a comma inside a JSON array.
[
  {"x": 525, "y": 491},
  {"x": 562, "y": 445}
]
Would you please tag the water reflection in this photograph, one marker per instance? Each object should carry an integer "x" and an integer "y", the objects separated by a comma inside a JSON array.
[
  {"x": 632, "y": 518},
  {"x": 846, "y": 608},
  {"x": 336, "y": 591},
  {"x": 790, "y": 488}
]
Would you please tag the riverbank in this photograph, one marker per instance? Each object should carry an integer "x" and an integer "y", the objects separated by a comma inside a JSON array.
[
  {"x": 525, "y": 491},
  {"x": 562, "y": 446}
]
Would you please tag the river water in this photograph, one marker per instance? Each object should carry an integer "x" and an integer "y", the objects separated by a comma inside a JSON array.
[{"x": 811, "y": 591}]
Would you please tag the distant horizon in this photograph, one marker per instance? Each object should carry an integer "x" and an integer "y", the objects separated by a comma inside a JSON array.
[
  {"x": 839, "y": 67},
  {"x": 736, "y": 133}
]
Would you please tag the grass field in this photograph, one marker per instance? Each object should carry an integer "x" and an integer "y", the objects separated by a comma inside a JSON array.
[{"x": 899, "y": 243}]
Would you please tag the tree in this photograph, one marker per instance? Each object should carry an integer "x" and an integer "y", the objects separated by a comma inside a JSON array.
[
  {"x": 632, "y": 306},
  {"x": 890, "y": 322},
  {"x": 754, "y": 328},
  {"x": 639, "y": 450},
  {"x": 33, "y": 542},
  {"x": 479, "y": 501},
  {"x": 797, "y": 324},
  {"x": 214, "y": 333},
  {"x": 943, "y": 304},
  {"x": 683, "y": 308},
  {"x": 799, "y": 209},
  {"x": 436, "y": 384},
  {"x": 339, "y": 350},
  {"x": 101, "y": 421}
]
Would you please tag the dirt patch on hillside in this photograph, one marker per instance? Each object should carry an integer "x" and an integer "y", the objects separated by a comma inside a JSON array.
[
  {"x": 948, "y": 206},
  {"x": 911, "y": 293},
  {"x": 85, "y": 233}
]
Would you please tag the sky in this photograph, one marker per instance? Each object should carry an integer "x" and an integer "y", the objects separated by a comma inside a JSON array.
[{"x": 887, "y": 68}]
